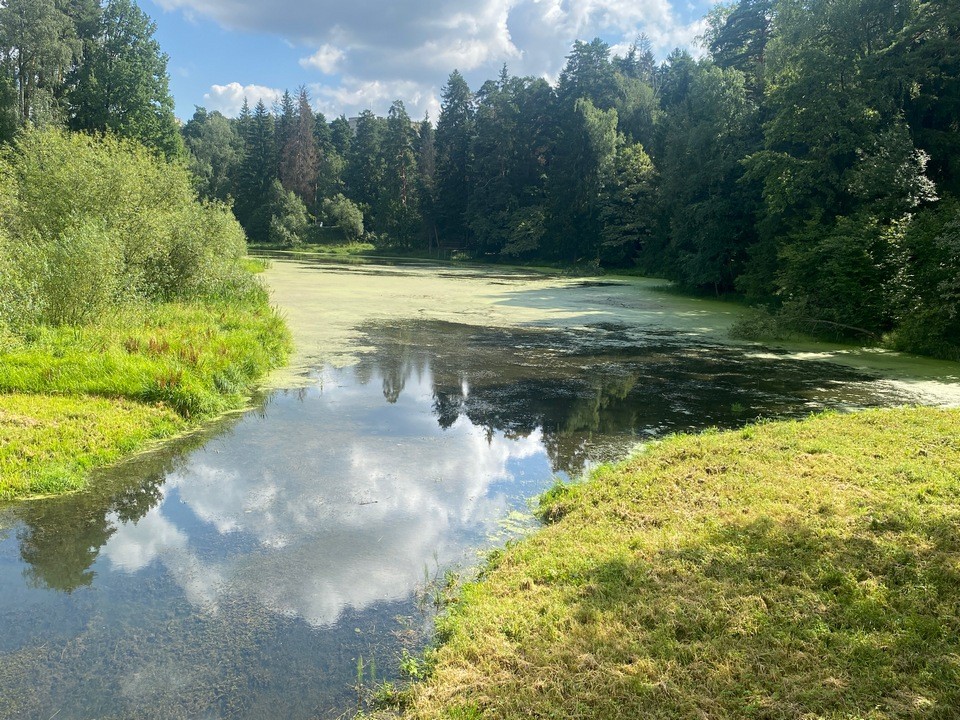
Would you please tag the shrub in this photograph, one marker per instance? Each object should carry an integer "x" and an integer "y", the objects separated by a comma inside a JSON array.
[
  {"x": 93, "y": 222},
  {"x": 288, "y": 217},
  {"x": 927, "y": 285},
  {"x": 79, "y": 274},
  {"x": 344, "y": 213}
]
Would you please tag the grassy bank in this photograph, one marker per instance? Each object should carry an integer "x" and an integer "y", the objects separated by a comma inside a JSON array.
[
  {"x": 788, "y": 570},
  {"x": 345, "y": 249},
  {"x": 73, "y": 398}
]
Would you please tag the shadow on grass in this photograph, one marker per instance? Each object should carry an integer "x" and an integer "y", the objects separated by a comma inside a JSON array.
[{"x": 780, "y": 620}]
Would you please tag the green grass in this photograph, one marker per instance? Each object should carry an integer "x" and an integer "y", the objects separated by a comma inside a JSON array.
[
  {"x": 788, "y": 570},
  {"x": 49, "y": 443},
  {"x": 336, "y": 249},
  {"x": 253, "y": 265},
  {"x": 72, "y": 398}
]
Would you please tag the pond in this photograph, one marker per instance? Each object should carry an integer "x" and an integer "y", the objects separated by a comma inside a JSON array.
[{"x": 283, "y": 559}]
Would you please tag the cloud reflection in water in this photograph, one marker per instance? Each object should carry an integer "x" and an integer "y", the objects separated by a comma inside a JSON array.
[{"x": 341, "y": 506}]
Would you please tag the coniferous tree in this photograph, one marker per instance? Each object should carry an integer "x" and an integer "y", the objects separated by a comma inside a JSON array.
[
  {"x": 341, "y": 136},
  {"x": 364, "y": 174},
  {"x": 285, "y": 118},
  {"x": 256, "y": 175},
  {"x": 492, "y": 197},
  {"x": 453, "y": 138},
  {"x": 398, "y": 200},
  {"x": 426, "y": 153},
  {"x": 299, "y": 163}
]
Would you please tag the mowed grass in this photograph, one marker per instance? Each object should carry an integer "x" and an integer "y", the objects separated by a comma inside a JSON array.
[
  {"x": 788, "y": 570},
  {"x": 72, "y": 398}
]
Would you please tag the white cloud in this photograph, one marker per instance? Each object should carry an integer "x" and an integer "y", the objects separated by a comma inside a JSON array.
[
  {"x": 373, "y": 52},
  {"x": 228, "y": 98},
  {"x": 326, "y": 59},
  {"x": 353, "y": 95}
]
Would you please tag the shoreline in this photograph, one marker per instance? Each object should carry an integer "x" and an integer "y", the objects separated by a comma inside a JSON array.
[
  {"x": 787, "y": 568},
  {"x": 90, "y": 398}
]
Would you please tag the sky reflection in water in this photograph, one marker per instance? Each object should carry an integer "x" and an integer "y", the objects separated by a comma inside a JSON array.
[{"x": 242, "y": 573}]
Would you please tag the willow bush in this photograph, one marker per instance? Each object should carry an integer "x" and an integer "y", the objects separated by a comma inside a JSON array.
[{"x": 92, "y": 223}]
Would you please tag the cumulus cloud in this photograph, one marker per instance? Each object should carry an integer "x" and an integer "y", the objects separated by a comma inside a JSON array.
[
  {"x": 353, "y": 95},
  {"x": 418, "y": 42},
  {"x": 228, "y": 98},
  {"x": 326, "y": 59}
]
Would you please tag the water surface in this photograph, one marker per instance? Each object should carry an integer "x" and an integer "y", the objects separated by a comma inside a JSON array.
[{"x": 244, "y": 571}]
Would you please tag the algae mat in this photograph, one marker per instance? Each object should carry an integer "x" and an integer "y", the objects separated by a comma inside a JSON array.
[{"x": 327, "y": 302}]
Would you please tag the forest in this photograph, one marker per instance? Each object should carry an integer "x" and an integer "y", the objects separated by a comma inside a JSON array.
[{"x": 807, "y": 163}]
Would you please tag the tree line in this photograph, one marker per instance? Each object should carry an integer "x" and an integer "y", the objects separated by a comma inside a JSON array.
[{"x": 809, "y": 162}]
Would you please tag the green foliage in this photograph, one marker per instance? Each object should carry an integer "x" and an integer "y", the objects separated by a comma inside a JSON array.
[
  {"x": 216, "y": 150},
  {"x": 453, "y": 158},
  {"x": 345, "y": 214},
  {"x": 364, "y": 174},
  {"x": 39, "y": 39},
  {"x": 628, "y": 205},
  {"x": 122, "y": 84},
  {"x": 288, "y": 217},
  {"x": 398, "y": 203},
  {"x": 79, "y": 276},
  {"x": 257, "y": 172},
  {"x": 99, "y": 222},
  {"x": 761, "y": 324},
  {"x": 926, "y": 292},
  {"x": 833, "y": 279}
]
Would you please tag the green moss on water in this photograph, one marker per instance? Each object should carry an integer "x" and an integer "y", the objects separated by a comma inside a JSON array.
[
  {"x": 74, "y": 398},
  {"x": 790, "y": 569}
]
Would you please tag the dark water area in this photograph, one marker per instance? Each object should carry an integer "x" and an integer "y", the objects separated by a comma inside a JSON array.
[{"x": 246, "y": 571}]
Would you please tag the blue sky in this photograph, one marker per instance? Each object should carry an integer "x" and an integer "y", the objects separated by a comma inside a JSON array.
[{"x": 363, "y": 54}]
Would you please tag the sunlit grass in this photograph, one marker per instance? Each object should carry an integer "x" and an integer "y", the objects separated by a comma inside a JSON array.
[
  {"x": 336, "y": 249},
  {"x": 77, "y": 397},
  {"x": 49, "y": 443},
  {"x": 787, "y": 570}
]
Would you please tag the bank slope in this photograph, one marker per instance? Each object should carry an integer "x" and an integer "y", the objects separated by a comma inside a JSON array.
[
  {"x": 76, "y": 398},
  {"x": 786, "y": 570}
]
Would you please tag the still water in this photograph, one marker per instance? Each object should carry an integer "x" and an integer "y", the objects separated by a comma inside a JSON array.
[{"x": 244, "y": 571}]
